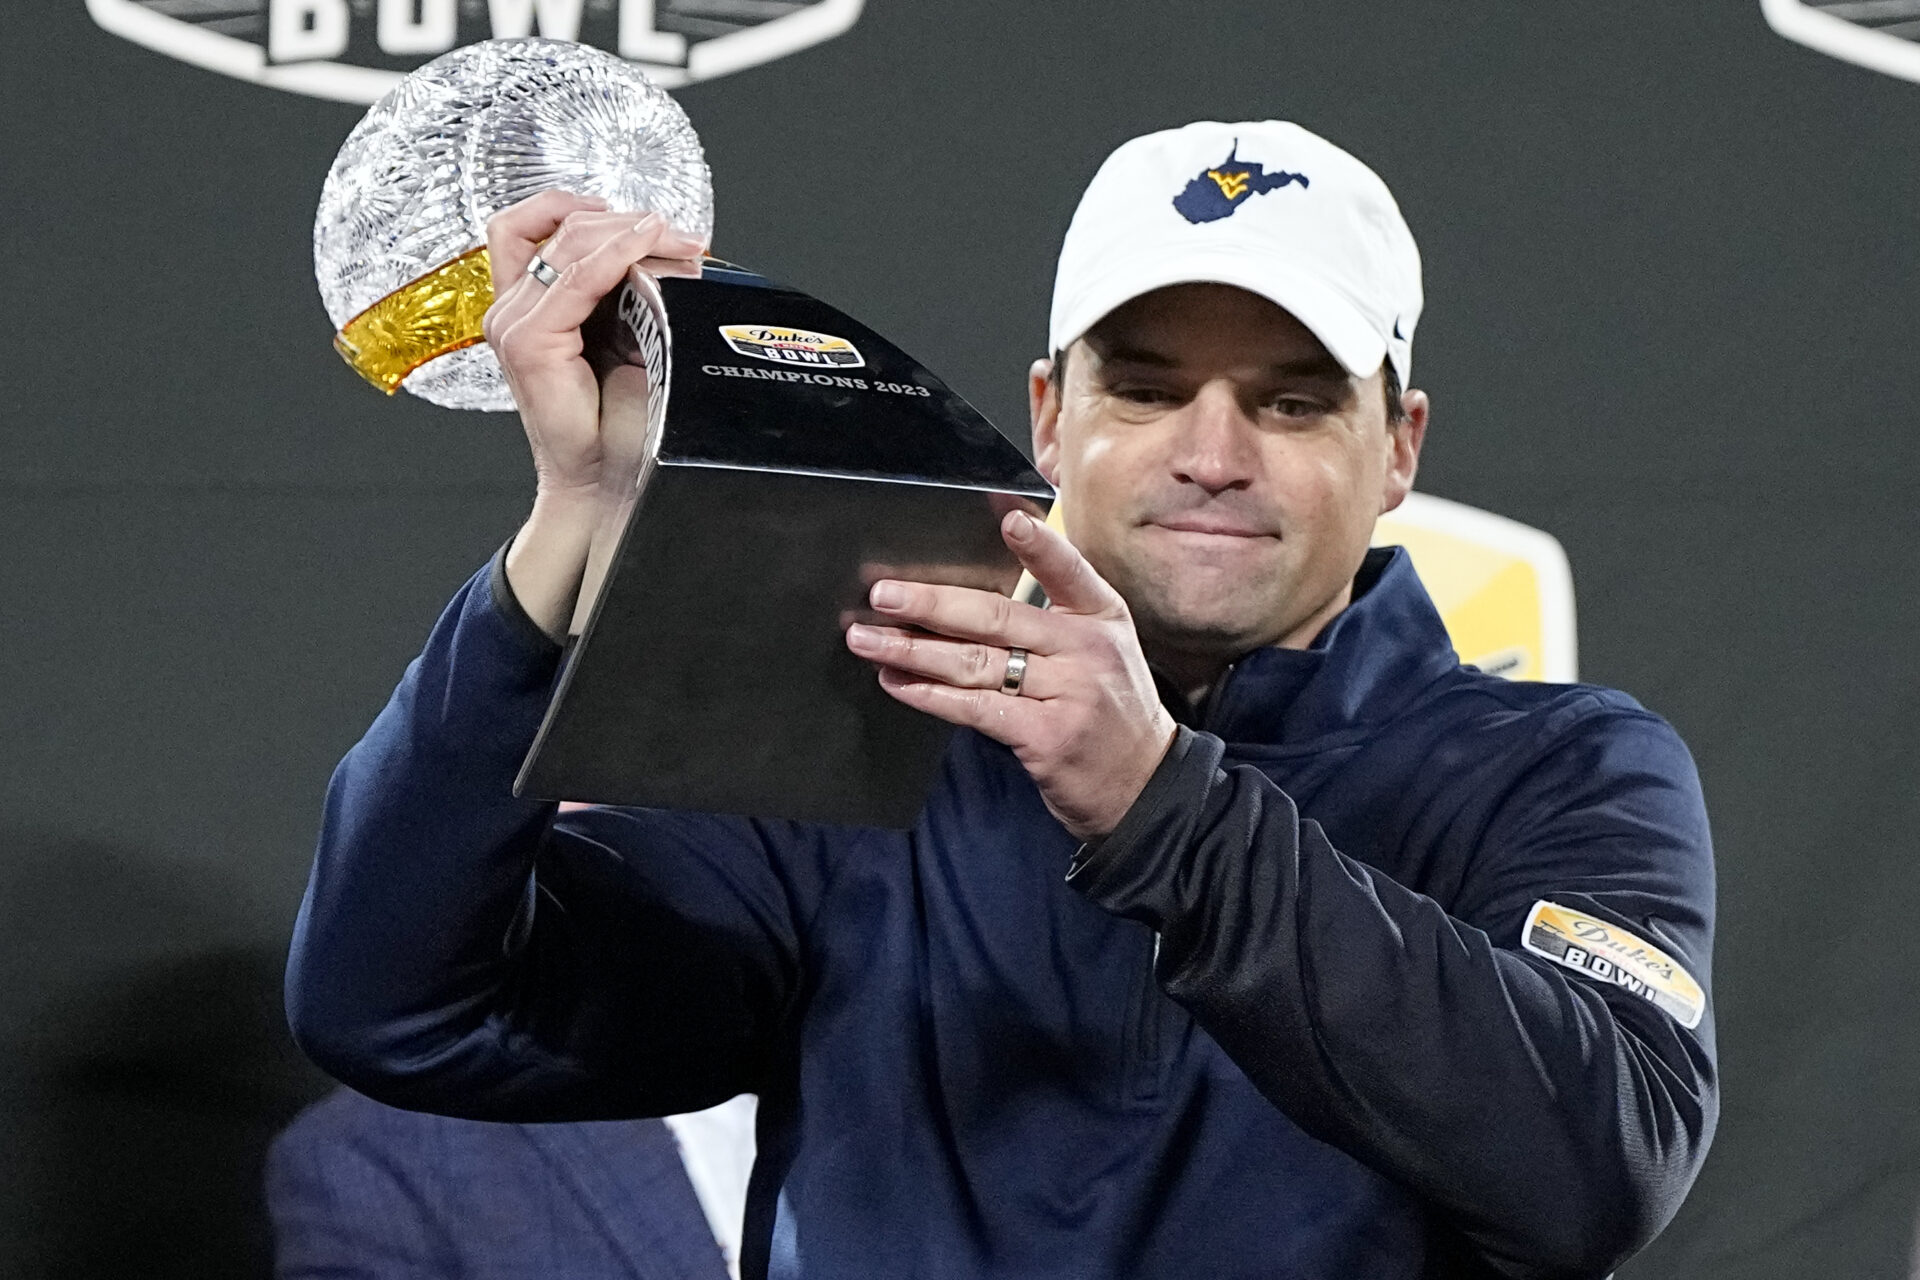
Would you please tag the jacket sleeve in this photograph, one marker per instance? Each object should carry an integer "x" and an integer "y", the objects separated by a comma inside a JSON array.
[
  {"x": 1555, "y": 1119},
  {"x": 466, "y": 952}
]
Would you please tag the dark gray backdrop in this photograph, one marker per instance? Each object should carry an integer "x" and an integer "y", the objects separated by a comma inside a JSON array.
[{"x": 1672, "y": 292}]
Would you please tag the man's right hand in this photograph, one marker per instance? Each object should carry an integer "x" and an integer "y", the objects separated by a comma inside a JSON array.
[{"x": 534, "y": 330}]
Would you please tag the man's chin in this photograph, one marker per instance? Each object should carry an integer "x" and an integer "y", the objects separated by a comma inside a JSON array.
[
  {"x": 1202, "y": 607},
  {"x": 1200, "y": 631},
  {"x": 1210, "y": 596}
]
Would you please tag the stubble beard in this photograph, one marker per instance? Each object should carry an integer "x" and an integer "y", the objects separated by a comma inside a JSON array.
[{"x": 1182, "y": 622}]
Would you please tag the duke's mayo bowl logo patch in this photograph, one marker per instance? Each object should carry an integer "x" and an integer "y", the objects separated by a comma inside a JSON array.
[
  {"x": 356, "y": 50},
  {"x": 1881, "y": 35},
  {"x": 1220, "y": 190},
  {"x": 1603, "y": 950},
  {"x": 801, "y": 347}
]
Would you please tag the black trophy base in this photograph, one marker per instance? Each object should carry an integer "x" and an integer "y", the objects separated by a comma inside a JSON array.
[
  {"x": 719, "y": 679},
  {"x": 797, "y": 457}
]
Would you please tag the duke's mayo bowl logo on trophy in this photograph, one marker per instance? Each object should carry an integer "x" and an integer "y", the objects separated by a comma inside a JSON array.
[
  {"x": 801, "y": 347},
  {"x": 356, "y": 50},
  {"x": 1220, "y": 190},
  {"x": 1881, "y": 35}
]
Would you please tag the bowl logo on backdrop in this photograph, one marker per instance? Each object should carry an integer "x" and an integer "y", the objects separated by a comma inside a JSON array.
[
  {"x": 1881, "y": 35},
  {"x": 356, "y": 50},
  {"x": 1503, "y": 589}
]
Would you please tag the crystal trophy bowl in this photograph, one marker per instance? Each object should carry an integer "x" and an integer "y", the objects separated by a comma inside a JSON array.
[{"x": 399, "y": 241}]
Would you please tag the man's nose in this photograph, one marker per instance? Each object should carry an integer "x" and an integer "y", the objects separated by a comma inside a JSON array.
[{"x": 1215, "y": 447}]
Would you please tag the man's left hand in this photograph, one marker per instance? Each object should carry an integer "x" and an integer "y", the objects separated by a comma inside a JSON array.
[{"x": 1087, "y": 723}]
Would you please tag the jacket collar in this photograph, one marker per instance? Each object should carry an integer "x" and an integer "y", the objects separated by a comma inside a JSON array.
[{"x": 1382, "y": 652}]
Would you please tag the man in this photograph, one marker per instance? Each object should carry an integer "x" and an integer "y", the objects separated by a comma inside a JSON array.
[
  {"x": 359, "y": 1190},
  {"x": 1244, "y": 932}
]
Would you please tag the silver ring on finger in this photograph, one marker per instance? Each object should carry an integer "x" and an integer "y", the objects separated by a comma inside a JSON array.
[
  {"x": 542, "y": 270},
  {"x": 1016, "y": 672}
]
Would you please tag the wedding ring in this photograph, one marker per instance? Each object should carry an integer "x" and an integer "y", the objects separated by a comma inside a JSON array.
[
  {"x": 1016, "y": 671},
  {"x": 542, "y": 270}
]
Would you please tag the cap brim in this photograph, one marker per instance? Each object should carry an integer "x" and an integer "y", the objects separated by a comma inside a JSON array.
[{"x": 1326, "y": 312}]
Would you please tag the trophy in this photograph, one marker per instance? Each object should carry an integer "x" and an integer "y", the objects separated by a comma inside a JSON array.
[{"x": 767, "y": 456}]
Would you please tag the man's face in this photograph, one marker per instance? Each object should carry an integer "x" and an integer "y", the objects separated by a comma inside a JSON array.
[{"x": 1220, "y": 468}]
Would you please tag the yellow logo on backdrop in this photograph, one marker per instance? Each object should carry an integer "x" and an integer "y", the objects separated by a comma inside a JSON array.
[{"x": 1504, "y": 589}]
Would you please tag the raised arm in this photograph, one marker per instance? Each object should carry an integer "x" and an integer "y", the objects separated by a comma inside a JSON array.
[
  {"x": 641, "y": 969},
  {"x": 534, "y": 329}
]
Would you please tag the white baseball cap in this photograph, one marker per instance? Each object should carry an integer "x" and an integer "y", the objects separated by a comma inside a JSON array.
[{"x": 1265, "y": 205}]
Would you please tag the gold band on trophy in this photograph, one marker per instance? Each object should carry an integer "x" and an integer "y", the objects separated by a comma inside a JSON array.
[{"x": 420, "y": 321}]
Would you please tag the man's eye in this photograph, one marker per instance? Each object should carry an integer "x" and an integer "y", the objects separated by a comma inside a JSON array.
[
  {"x": 1296, "y": 407},
  {"x": 1144, "y": 395}
]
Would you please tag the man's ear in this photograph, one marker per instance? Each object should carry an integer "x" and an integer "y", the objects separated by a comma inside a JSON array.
[
  {"x": 1043, "y": 414},
  {"x": 1404, "y": 439}
]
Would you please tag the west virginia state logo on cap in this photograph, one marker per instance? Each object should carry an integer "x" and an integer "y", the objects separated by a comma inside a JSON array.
[{"x": 1218, "y": 191}]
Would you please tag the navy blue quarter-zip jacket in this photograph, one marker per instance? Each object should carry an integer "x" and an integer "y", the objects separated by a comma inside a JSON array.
[{"x": 1281, "y": 1023}]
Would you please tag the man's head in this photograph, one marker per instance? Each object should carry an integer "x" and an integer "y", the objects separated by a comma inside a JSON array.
[{"x": 1223, "y": 417}]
